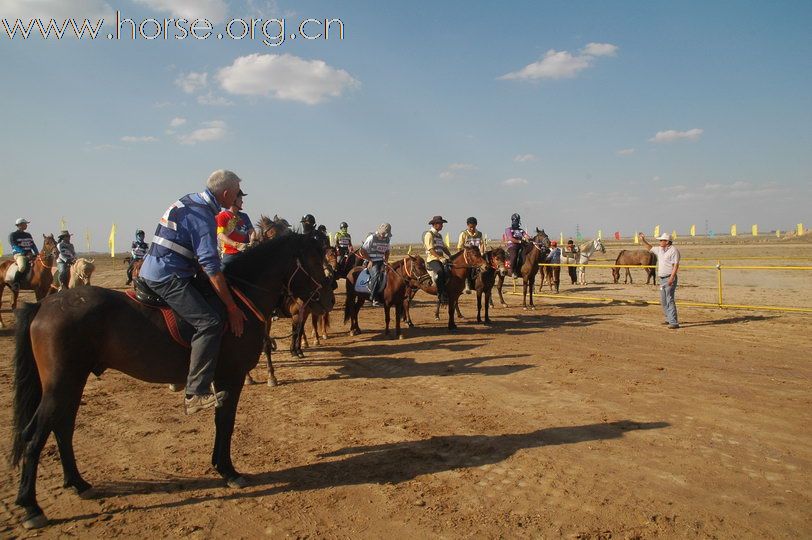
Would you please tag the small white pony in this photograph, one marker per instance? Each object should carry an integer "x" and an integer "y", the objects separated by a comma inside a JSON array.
[
  {"x": 587, "y": 251},
  {"x": 80, "y": 273}
]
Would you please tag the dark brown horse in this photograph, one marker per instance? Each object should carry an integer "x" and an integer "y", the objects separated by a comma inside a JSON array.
[
  {"x": 40, "y": 272},
  {"x": 534, "y": 252},
  {"x": 483, "y": 284},
  {"x": 66, "y": 337},
  {"x": 459, "y": 265},
  {"x": 402, "y": 277},
  {"x": 639, "y": 257}
]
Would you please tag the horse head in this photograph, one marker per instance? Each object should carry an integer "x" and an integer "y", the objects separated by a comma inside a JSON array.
[
  {"x": 418, "y": 271},
  {"x": 599, "y": 245},
  {"x": 473, "y": 258},
  {"x": 497, "y": 258},
  {"x": 49, "y": 245},
  {"x": 271, "y": 228},
  {"x": 308, "y": 279}
]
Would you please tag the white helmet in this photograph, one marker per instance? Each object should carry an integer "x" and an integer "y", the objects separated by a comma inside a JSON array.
[{"x": 20, "y": 221}]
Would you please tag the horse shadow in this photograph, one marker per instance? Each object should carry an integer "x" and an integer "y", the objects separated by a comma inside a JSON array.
[
  {"x": 526, "y": 324},
  {"x": 389, "y": 463},
  {"x": 377, "y": 346},
  {"x": 613, "y": 303},
  {"x": 376, "y": 367}
]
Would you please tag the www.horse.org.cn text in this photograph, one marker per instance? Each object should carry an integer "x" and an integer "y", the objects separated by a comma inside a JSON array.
[{"x": 272, "y": 32}]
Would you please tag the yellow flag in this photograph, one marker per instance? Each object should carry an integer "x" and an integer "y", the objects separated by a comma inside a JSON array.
[
  {"x": 447, "y": 241},
  {"x": 410, "y": 250},
  {"x": 87, "y": 239},
  {"x": 656, "y": 231},
  {"x": 600, "y": 234},
  {"x": 778, "y": 233},
  {"x": 755, "y": 230},
  {"x": 673, "y": 235},
  {"x": 561, "y": 239},
  {"x": 62, "y": 225},
  {"x": 111, "y": 242},
  {"x": 693, "y": 230},
  {"x": 800, "y": 230},
  {"x": 1, "y": 249},
  {"x": 733, "y": 230},
  {"x": 636, "y": 238}
]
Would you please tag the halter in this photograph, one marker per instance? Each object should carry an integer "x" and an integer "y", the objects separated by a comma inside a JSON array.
[
  {"x": 41, "y": 259},
  {"x": 299, "y": 268}
]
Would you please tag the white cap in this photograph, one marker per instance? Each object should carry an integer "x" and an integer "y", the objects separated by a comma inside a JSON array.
[
  {"x": 664, "y": 236},
  {"x": 20, "y": 221}
]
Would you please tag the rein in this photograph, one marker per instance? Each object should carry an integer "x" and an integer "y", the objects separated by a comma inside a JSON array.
[
  {"x": 41, "y": 260},
  {"x": 465, "y": 258}
]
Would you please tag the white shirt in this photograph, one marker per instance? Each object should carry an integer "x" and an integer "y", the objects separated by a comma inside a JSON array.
[
  {"x": 666, "y": 259},
  {"x": 375, "y": 247}
]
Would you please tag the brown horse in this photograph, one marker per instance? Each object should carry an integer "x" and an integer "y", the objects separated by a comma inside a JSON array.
[
  {"x": 483, "y": 284},
  {"x": 535, "y": 251},
  {"x": 39, "y": 277},
  {"x": 66, "y": 337},
  {"x": 458, "y": 267},
  {"x": 402, "y": 277},
  {"x": 639, "y": 257}
]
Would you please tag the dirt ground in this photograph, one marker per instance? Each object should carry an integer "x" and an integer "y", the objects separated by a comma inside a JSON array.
[{"x": 578, "y": 420}]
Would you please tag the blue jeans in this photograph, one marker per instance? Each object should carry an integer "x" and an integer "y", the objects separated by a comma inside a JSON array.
[
  {"x": 63, "y": 271},
  {"x": 375, "y": 278},
  {"x": 190, "y": 304},
  {"x": 667, "y": 299},
  {"x": 227, "y": 258}
]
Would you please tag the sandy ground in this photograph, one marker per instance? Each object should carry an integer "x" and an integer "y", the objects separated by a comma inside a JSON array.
[{"x": 584, "y": 420}]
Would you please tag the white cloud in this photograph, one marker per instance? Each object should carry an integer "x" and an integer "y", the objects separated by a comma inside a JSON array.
[
  {"x": 211, "y": 99},
  {"x": 625, "y": 152},
  {"x": 210, "y": 131},
  {"x": 177, "y": 122},
  {"x": 515, "y": 182},
  {"x": 454, "y": 170},
  {"x": 212, "y": 10},
  {"x": 192, "y": 82},
  {"x": 285, "y": 77},
  {"x": 135, "y": 139},
  {"x": 672, "y": 135},
  {"x": 59, "y": 10},
  {"x": 599, "y": 49},
  {"x": 562, "y": 64},
  {"x": 523, "y": 158}
]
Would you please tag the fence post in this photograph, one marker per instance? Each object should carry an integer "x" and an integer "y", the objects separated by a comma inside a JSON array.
[{"x": 719, "y": 273}]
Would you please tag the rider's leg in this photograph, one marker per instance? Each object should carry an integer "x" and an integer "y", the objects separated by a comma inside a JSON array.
[{"x": 22, "y": 269}]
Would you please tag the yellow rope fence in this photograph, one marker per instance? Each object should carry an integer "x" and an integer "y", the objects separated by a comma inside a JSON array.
[{"x": 719, "y": 267}]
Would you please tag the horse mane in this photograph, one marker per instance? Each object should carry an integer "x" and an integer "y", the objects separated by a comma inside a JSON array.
[{"x": 250, "y": 265}]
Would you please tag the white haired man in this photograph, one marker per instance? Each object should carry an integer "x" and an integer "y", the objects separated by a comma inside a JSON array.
[
  {"x": 667, "y": 268},
  {"x": 187, "y": 236}
]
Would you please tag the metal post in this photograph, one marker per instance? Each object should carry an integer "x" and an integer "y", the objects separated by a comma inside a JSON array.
[{"x": 719, "y": 274}]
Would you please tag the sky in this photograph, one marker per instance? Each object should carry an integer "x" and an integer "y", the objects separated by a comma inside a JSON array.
[{"x": 616, "y": 116}]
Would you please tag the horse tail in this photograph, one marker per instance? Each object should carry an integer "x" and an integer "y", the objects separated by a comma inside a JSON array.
[
  {"x": 349, "y": 301},
  {"x": 27, "y": 386}
]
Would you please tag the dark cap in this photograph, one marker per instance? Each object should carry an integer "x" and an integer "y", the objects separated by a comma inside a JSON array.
[
  {"x": 437, "y": 219},
  {"x": 241, "y": 194}
]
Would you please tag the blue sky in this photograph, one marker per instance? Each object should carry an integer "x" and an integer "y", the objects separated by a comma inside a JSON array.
[{"x": 605, "y": 115}]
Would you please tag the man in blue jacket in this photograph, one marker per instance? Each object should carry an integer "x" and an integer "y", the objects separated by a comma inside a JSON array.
[{"x": 187, "y": 236}]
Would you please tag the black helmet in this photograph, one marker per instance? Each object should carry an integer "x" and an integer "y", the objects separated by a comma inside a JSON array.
[
  {"x": 515, "y": 217},
  {"x": 322, "y": 228},
  {"x": 139, "y": 232},
  {"x": 309, "y": 219},
  {"x": 343, "y": 225},
  {"x": 471, "y": 221}
]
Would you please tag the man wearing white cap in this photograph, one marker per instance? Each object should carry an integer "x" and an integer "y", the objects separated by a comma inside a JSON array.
[
  {"x": 667, "y": 267},
  {"x": 23, "y": 248}
]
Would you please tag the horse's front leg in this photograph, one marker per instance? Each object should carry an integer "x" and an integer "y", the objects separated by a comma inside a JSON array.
[
  {"x": 398, "y": 317},
  {"x": 501, "y": 279},
  {"x": 479, "y": 306},
  {"x": 224, "y": 417},
  {"x": 452, "y": 303},
  {"x": 437, "y": 309},
  {"x": 386, "y": 314},
  {"x": 488, "y": 293}
]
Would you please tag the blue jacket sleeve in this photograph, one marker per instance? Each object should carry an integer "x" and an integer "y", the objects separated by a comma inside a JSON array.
[{"x": 203, "y": 231}]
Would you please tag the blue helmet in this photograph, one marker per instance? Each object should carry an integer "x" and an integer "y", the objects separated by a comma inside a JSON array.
[{"x": 515, "y": 219}]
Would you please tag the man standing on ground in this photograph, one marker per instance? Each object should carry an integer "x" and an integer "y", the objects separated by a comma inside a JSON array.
[{"x": 667, "y": 268}]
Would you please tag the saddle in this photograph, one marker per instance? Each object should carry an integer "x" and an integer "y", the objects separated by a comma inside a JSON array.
[
  {"x": 180, "y": 330},
  {"x": 12, "y": 271},
  {"x": 362, "y": 281}
]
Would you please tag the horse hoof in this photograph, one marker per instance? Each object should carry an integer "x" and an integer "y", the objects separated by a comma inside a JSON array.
[
  {"x": 176, "y": 387},
  {"x": 488, "y": 321},
  {"x": 401, "y": 336},
  {"x": 411, "y": 324},
  {"x": 36, "y": 522},
  {"x": 504, "y": 305},
  {"x": 300, "y": 354},
  {"x": 238, "y": 482},
  {"x": 436, "y": 318},
  {"x": 249, "y": 381},
  {"x": 273, "y": 382}
]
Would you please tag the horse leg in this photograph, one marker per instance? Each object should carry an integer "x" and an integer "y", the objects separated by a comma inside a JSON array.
[
  {"x": 314, "y": 319},
  {"x": 437, "y": 310},
  {"x": 386, "y": 307},
  {"x": 224, "y": 418},
  {"x": 479, "y": 306},
  {"x": 457, "y": 309},
  {"x": 488, "y": 293},
  {"x": 501, "y": 279},
  {"x": 398, "y": 317},
  {"x": 407, "y": 315},
  {"x": 530, "y": 290},
  {"x": 3, "y": 288},
  {"x": 35, "y": 435},
  {"x": 452, "y": 302}
]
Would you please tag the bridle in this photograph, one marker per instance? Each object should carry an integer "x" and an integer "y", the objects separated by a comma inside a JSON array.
[
  {"x": 41, "y": 260},
  {"x": 467, "y": 264},
  {"x": 315, "y": 295}
]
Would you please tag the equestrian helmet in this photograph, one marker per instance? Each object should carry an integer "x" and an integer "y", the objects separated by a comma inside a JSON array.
[
  {"x": 309, "y": 219},
  {"x": 343, "y": 225}
]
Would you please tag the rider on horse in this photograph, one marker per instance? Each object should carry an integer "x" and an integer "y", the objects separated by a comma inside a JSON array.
[
  {"x": 437, "y": 255},
  {"x": 67, "y": 256},
  {"x": 234, "y": 229},
  {"x": 514, "y": 235},
  {"x": 185, "y": 238},
  {"x": 471, "y": 237},
  {"x": 138, "y": 251},
  {"x": 343, "y": 243},
  {"x": 23, "y": 249},
  {"x": 376, "y": 250},
  {"x": 309, "y": 229}
]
